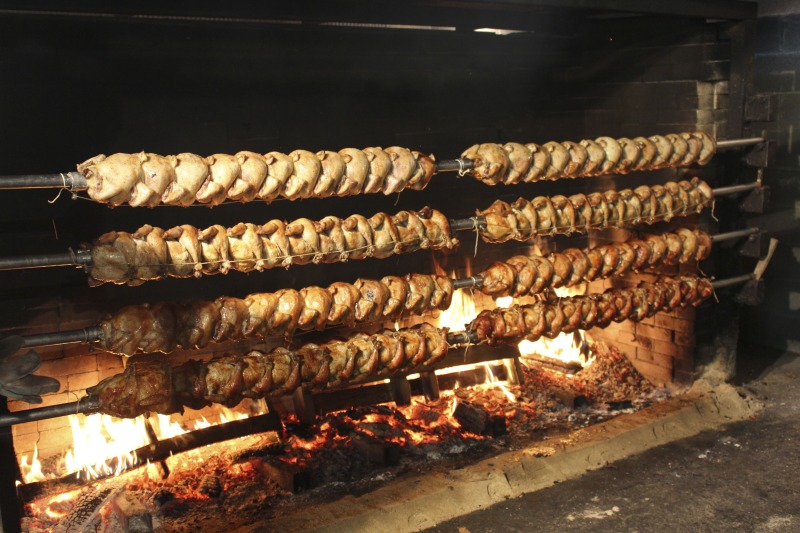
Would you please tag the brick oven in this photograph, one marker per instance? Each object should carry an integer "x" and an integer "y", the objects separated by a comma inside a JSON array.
[{"x": 434, "y": 78}]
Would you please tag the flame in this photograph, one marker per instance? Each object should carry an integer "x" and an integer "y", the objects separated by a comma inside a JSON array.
[
  {"x": 31, "y": 471},
  {"x": 461, "y": 311},
  {"x": 103, "y": 445},
  {"x": 565, "y": 347},
  {"x": 492, "y": 380},
  {"x": 504, "y": 301}
]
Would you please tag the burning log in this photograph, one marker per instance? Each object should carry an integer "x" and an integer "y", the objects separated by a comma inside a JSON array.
[
  {"x": 377, "y": 452},
  {"x": 551, "y": 363},
  {"x": 162, "y": 450},
  {"x": 476, "y": 420},
  {"x": 289, "y": 477},
  {"x": 131, "y": 514}
]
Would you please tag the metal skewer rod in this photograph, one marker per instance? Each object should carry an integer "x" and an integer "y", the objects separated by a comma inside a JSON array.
[
  {"x": 76, "y": 181},
  {"x": 719, "y": 237},
  {"x": 729, "y": 282},
  {"x": 453, "y": 165},
  {"x": 85, "y": 405},
  {"x": 80, "y": 258},
  {"x": 85, "y": 335},
  {"x": 734, "y": 189},
  {"x": 67, "y": 180},
  {"x": 89, "y": 404},
  {"x": 462, "y": 224},
  {"x": 738, "y": 143}
]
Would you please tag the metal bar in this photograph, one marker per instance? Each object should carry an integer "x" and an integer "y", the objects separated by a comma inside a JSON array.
[
  {"x": 79, "y": 258},
  {"x": 85, "y": 335},
  {"x": 734, "y": 189},
  {"x": 738, "y": 143},
  {"x": 468, "y": 283},
  {"x": 84, "y": 405},
  {"x": 729, "y": 282},
  {"x": 74, "y": 181},
  {"x": 454, "y": 164},
  {"x": 717, "y": 9},
  {"x": 719, "y": 237},
  {"x": 462, "y": 337},
  {"x": 461, "y": 224}
]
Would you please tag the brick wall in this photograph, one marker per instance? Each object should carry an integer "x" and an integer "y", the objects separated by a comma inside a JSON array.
[{"x": 777, "y": 78}]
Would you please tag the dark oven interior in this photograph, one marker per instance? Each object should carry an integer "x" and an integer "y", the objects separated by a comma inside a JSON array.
[{"x": 432, "y": 77}]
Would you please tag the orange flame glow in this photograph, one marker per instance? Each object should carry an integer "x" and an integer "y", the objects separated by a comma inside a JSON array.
[{"x": 103, "y": 445}]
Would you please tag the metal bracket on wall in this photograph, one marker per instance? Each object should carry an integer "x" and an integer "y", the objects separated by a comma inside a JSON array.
[
  {"x": 760, "y": 154},
  {"x": 755, "y": 246},
  {"x": 751, "y": 293},
  {"x": 756, "y": 201}
]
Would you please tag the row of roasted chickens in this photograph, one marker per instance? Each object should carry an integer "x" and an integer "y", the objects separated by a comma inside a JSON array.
[
  {"x": 147, "y": 179},
  {"x": 161, "y": 388},
  {"x": 153, "y": 253},
  {"x": 168, "y": 325}
]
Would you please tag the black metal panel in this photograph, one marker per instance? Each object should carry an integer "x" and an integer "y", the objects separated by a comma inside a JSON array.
[{"x": 465, "y": 13}]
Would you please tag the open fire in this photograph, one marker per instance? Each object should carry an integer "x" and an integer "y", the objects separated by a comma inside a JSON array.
[{"x": 480, "y": 406}]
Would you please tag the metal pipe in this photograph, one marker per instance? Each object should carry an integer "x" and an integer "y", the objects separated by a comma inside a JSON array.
[
  {"x": 81, "y": 258},
  {"x": 468, "y": 283},
  {"x": 462, "y": 337},
  {"x": 461, "y": 224},
  {"x": 84, "y": 405},
  {"x": 737, "y": 143},
  {"x": 729, "y": 282},
  {"x": 733, "y": 189},
  {"x": 85, "y": 335},
  {"x": 453, "y": 165},
  {"x": 74, "y": 181},
  {"x": 719, "y": 237}
]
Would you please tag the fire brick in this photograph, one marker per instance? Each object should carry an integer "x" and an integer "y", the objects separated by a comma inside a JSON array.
[
  {"x": 668, "y": 348},
  {"x": 655, "y": 333},
  {"x": 655, "y": 373},
  {"x": 82, "y": 381},
  {"x": 59, "y": 368}
]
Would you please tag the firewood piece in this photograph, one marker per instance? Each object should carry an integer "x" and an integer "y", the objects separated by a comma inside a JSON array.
[
  {"x": 430, "y": 385},
  {"x": 401, "y": 390},
  {"x": 211, "y": 486},
  {"x": 163, "y": 468},
  {"x": 132, "y": 514},
  {"x": 473, "y": 418},
  {"x": 376, "y": 452},
  {"x": 303, "y": 402},
  {"x": 551, "y": 363},
  {"x": 287, "y": 476}
]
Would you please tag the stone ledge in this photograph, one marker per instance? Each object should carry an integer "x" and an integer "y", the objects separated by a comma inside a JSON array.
[{"x": 417, "y": 503}]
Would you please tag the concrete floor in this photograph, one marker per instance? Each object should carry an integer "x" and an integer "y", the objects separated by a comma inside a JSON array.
[{"x": 745, "y": 477}]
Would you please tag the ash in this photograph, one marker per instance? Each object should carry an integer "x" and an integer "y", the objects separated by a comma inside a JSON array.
[{"x": 351, "y": 452}]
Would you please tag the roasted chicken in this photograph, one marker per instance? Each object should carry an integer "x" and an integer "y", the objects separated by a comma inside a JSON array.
[
  {"x": 160, "y": 388},
  {"x": 513, "y": 162},
  {"x": 183, "y": 251},
  {"x": 163, "y": 327},
  {"x": 523, "y": 275},
  {"x": 148, "y": 180},
  {"x": 544, "y": 215},
  {"x": 564, "y": 315}
]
